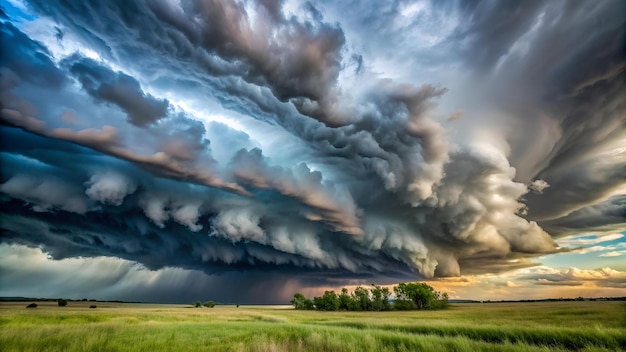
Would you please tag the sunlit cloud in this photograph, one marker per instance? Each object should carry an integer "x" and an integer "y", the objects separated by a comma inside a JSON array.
[
  {"x": 591, "y": 239},
  {"x": 613, "y": 254}
]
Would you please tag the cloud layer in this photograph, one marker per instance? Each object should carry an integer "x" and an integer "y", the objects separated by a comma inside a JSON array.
[{"x": 276, "y": 139}]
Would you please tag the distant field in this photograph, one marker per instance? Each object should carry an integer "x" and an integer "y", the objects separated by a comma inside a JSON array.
[{"x": 545, "y": 326}]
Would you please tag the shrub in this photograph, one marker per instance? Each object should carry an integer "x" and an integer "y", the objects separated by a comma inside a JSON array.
[
  {"x": 32, "y": 305},
  {"x": 197, "y": 304},
  {"x": 92, "y": 306},
  {"x": 62, "y": 302},
  {"x": 209, "y": 304}
]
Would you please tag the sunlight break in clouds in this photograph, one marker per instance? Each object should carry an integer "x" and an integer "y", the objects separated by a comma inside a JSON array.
[{"x": 319, "y": 144}]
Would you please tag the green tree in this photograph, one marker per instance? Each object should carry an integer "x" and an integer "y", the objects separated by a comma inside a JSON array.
[
  {"x": 209, "y": 304},
  {"x": 377, "y": 297},
  {"x": 386, "y": 293},
  {"x": 318, "y": 303},
  {"x": 329, "y": 301},
  {"x": 300, "y": 302},
  {"x": 197, "y": 304},
  {"x": 420, "y": 294},
  {"x": 441, "y": 301},
  {"x": 362, "y": 298},
  {"x": 62, "y": 302},
  {"x": 403, "y": 304},
  {"x": 345, "y": 301}
]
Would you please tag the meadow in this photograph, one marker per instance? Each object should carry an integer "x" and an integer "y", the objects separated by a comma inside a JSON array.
[{"x": 539, "y": 326}]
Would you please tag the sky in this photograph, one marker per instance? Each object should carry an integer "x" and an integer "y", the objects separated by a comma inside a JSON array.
[{"x": 242, "y": 151}]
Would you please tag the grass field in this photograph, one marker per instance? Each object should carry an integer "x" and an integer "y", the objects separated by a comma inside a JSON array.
[{"x": 545, "y": 326}]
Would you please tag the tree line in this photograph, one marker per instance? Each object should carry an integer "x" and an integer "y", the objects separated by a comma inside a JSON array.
[
  {"x": 407, "y": 296},
  {"x": 208, "y": 304}
]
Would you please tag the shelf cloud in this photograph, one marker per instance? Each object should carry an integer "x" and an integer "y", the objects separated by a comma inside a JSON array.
[{"x": 310, "y": 144}]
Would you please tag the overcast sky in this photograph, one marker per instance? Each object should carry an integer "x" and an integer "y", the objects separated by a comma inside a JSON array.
[{"x": 241, "y": 151}]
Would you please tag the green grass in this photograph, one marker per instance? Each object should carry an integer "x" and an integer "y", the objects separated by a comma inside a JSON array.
[{"x": 553, "y": 326}]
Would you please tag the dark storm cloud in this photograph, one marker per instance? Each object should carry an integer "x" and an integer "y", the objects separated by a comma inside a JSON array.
[
  {"x": 177, "y": 146},
  {"x": 119, "y": 89},
  {"x": 298, "y": 60},
  {"x": 554, "y": 70},
  {"x": 582, "y": 83},
  {"x": 27, "y": 59},
  {"x": 98, "y": 192},
  {"x": 609, "y": 215},
  {"x": 377, "y": 187},
  {"x": 300, "y": 183},
  {"x": 490, "y": 28},
  {"x": 115, "y": 279},
  {"x": 226, "y": 142},
  {"x": 236, "y": 240}
]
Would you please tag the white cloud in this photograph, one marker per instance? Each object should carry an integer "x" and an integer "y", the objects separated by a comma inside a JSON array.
[
  {"x": 588, "y": 239},
  {"x": 595, "y": 249},
  {"x": 613, "y": 254},
  {"x": 538, "y": 186},
  {"x": 110, "y": 187}
]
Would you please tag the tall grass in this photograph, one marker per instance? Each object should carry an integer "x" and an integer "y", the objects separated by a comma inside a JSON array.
[{"x": 464, "y": 327}]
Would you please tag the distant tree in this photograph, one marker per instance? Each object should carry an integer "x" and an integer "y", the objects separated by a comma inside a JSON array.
[
  {"x": 32, "y": 305},
  {"x": 403, "y": 304},
  {"x": 420, "y": 294},
  {"x": 361, "y": 298},
  {"x": 354, "y": 305},
  {"x": 92, "y": 306},
  {"x": 62, "y": 302},
  {"x": 345, "y": 301},
  {"x": 377, "y": 298},
  {"x": 332, "y": 300},
  {"x": 318, "y": 303},
  {"x": 329, "y": 301},
  {"x": 441, "y": 301},
  {"x": 300, "y": 302},
  {"x": 386, "y": 293},
  {"x": 414, "y": 295},
  {"x": 237, "y": 306},
  {"x": 308, "y": 304},
  {"x": 209, "y": 304},
  {"x": 197, "y": 304},
  {"x": 380, "y": 298}
]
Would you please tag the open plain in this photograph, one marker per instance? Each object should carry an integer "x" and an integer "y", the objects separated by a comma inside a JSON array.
[{"x": 539, "y": 326}]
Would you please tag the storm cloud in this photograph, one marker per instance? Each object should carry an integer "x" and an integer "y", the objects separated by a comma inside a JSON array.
[{"x": 273, "y": 142}]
